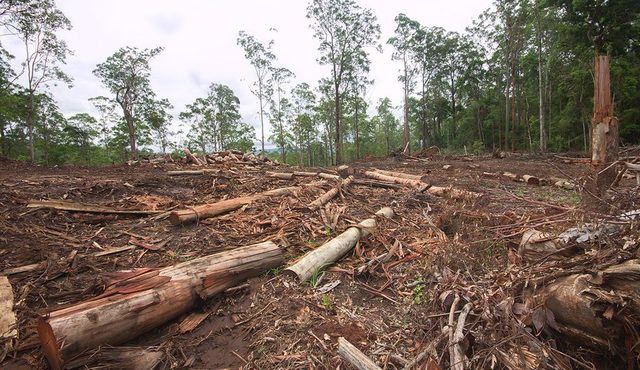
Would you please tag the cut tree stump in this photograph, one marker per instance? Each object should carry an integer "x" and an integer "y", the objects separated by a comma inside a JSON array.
[
  {"x": 330, "y": 194},
  {"x": 335, "y": 248},
  {"x": 140, "y": 300},
  {"x": 203, "y": 211}
]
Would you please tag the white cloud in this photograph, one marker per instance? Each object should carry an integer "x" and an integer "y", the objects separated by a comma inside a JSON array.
[{"x": 199, "y": 37}]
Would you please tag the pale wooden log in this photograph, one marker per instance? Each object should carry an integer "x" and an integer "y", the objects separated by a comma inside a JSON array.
[
  {"x": 417, "y": 184},
  {"x": 330, "y": 194},
  {"x": 450, "y": 192},
  {"x": 8, "y": 323},
  {"x": 305, "y": 174},
  {"x": 145, "y": 299},
  {"x": 459, "y": 358},
  {"x": 562, "y": 183},
  {"x": 328, "y": 176},
  {"x": 88, "y": 208},
  {"x": 446, "y": 167},
  {"x": 354, "y": 356},
  {"x": 186, "y": 172},
  {"x": 280, "y": 175},
  {"x": 203, "y": 211},
  {"x": 190, "y": 157},
  {"x": 511, "y": 176},
  {"x": 531, "y": 180},
  {"x": 345, "y": 171},
  {"x": 402, "y": 175},
  {"x": 335, "y": 248}
]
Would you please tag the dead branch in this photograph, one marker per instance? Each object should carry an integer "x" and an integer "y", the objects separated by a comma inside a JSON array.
[
  {"x": 330, "y": 194},
  {"x": 354, "y": 356}
]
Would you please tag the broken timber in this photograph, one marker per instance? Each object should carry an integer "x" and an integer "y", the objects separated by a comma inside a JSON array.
[
  {"x": 8, "y": 326},
  {"x": 403, "y": 175},
  {"x": 354, "y": 356},
  {"x": 146, "y": 298},
  {"x": 335, "y": 248},
  {"x": 224, "y": 206},
  {"x": 330, "y": 194},
  {"x": 80, "y": 207},
  {"x": 421, "y": 186}
]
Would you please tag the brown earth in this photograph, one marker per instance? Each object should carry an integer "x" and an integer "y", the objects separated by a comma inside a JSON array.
[{"x": 389, "y": 311}]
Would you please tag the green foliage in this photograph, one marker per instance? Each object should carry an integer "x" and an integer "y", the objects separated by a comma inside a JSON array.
[
  {"x": 326, "y": 302},
  {"x": 418, "y": 292}
]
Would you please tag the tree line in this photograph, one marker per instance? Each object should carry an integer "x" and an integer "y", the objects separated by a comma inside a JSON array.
[{"x": 519, "y": 78}]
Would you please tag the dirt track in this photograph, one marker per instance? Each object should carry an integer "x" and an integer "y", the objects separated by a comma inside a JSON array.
[{"x": 388, "y": 311}]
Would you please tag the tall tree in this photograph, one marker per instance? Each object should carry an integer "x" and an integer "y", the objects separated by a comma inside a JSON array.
[
  {"x": 280, "y": 107},
  {"x": 303, "y": 100},
  {"x": 344, "y": 30},
  {"x": 37, "y": 25},
  {"x": 126, "y": 74},
  {"x": 261, "y": 58},
  {"x": 405, "y": 43}
]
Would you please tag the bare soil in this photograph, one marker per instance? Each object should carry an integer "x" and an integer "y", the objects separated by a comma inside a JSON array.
[{"x": 390, "y": 311}]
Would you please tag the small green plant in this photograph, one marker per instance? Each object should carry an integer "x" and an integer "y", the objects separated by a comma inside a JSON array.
[
  {"x": 327, "y": 230},
  {"x": 326, "y": 302},
  {"x": 315, "y": 277},
  {"x": 275, "y": 271},
  {"x": 418, "y": 293}
]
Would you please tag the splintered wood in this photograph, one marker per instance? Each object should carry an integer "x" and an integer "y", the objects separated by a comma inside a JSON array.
[
  {"x": 8, "y": 327},
  {"x": 146, "y": 298}
]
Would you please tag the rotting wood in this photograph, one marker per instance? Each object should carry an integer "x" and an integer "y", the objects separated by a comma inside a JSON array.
[
  {"x": 143, "y": 299},
  {"x": 354, "y": 356},
  {"x": 88, "y": 208},
  {"x": 459, "y": 360},
  {"x": 203, "y": 211},
  {"x": 8, "y": 323},
  {"x": 330, "y": 194},
  {"x": 345, "y": 171},
  {"x": 23, "y": 269},
  {"x": 531, "y": 180},
  {"x": 335, "y": 248}
]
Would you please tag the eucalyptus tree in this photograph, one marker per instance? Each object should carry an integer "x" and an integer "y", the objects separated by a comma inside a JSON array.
[
  {"x": 36, "y": 25},
  {"x": 388, "y": 123},
  {"x": 156, "y": 114},
  {"x": 261, "y": 58},
  {"x": 304, "y": 130},
  {"x": 126, "y": 74},
  {"x": 345, "y": 30},
  {"x": 405, "y": 43},
  {"x": 280, "y": 108},
  {"x": 200, "y": 116}
]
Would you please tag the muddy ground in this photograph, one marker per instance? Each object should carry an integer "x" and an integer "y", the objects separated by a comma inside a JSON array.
[{"x": 389, "y": 311}]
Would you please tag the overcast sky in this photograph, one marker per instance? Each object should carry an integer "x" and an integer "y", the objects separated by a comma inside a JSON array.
[{"x": 199, "y": 37}]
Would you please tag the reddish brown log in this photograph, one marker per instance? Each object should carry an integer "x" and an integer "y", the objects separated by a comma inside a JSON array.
[
  {"x": 203, "y": 211},
  {"x": 144, "y": 299},
  {"x": 330, "y": 194}
]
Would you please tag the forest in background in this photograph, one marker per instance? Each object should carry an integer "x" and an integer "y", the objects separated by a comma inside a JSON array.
[{"x": 519, "y": 79}]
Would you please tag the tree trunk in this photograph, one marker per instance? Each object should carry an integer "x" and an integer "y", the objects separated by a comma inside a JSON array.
[
  {"x": 224, "y": 206},
  {"x": 338, "y": 143},
  {"x": 330, "y": 194},
  {"x": 357, "y": 130},
  {"x": 405, "y": 126},
  {"x": 513, "y": 104},
  {"x": 261, "y": 114},
  {"x": 132, "y": 132},
  {"x": 335, "y": 248},
  {"x": 144, "y": 299},
  {"x": 541, "y": 107},
  {"x": 30, "y": 119},
  {"x": 604, "y": 149}
]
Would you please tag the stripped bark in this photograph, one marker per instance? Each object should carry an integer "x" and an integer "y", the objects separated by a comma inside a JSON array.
[
  {"x": 203, "y": 211},
  {"x": 140, "y": 300},
  {"x": 335, "y": 248},
  {"x": 8, "y": 323},
  {"x": 330, "y": 194}
]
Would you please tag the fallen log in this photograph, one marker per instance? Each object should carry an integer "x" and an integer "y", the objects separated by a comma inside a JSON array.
[
  {"x": 354, "y": 356},
  {"x": 345, "y": 171},
  {"x": 143, "y": 299},
  {"x": 8, "y": 323},
  {"x": 335, "y": 248},
  {"x": 88, "y": 208},
  {"x": 328, "y": 176},
  {"x": 190, "y": 157},
  {"x": 453, "y": 193},
  {"x": 402, "y": 175},
  {"x": 376, "y": 183},
  {"x": 531, "y": 180},
  {"x": 511, "y": 176},
  {"x": 280, "y": 175},
  {"x": 417, "y": 184},
  {"x": 305, "y": 174},
  {"x": 203, "y": 211},
  {"x": 330, "y": 194},
  {"x": 188, "y": 172}
]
